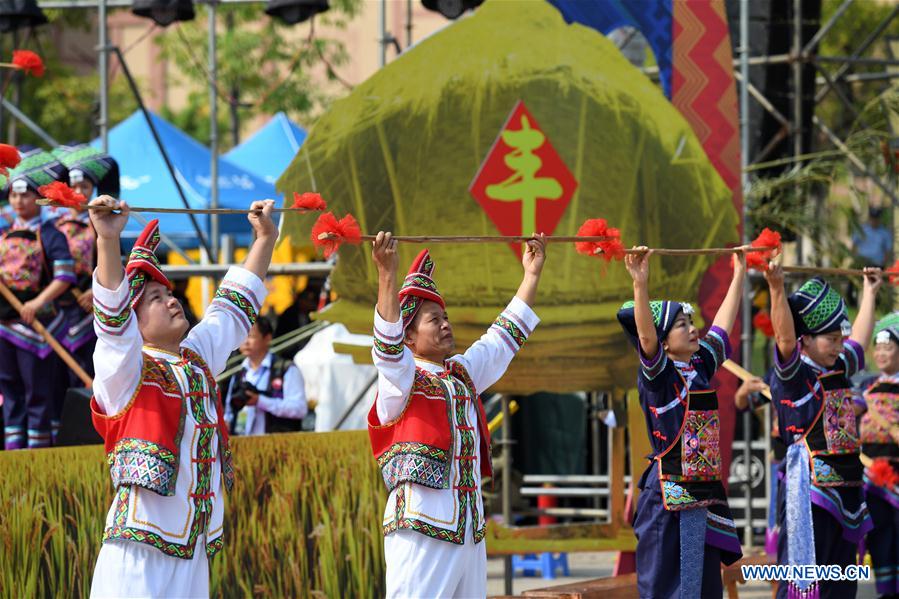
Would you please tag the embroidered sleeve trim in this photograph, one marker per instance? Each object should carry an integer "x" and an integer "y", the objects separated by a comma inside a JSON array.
[
  {"x": 64, "y": 270},
  {"x": 112, "y": 319},
  {"x": 239, "y": 301},
  {"x": 390, "y": 352},
  {"x": 853, "y": 356},
  {"x": 717, "y": 343},
  {"x": 786, "y": 369},
  {"x": 511, "y": 329},
  {"x": 654, "y": 366}
]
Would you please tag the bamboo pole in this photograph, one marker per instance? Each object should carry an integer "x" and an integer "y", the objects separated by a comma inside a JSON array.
[
  {"x": 690, "y": 251},
  {"x": 102, "y": 208},
  {"x": 822, "y": 270},
  {"x": 57, "y": 347},
  {"x": 473, "y": 238}
]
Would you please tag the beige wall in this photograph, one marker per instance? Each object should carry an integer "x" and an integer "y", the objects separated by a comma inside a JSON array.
[{"x": 161, "y": 82}]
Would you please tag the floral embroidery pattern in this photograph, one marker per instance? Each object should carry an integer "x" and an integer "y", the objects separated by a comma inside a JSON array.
[
  {"x": 839, "y": 422},
  {"x": 700, "y": 451}
]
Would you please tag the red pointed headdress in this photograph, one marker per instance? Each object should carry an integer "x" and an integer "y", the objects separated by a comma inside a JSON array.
[
  {"x": 143, "y": 266},
  {"x": 417, "y": 287}
]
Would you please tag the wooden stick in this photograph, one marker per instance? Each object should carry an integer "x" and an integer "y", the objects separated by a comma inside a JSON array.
[
  {"x": 473, "y": 238},
  {"x": 692, "y": 252},
  {"x": 744, "y": 375},
  {"x": 822, "y": 270},
  {"x": 46, "y": 202},
  {"x": 59, "y": 349}
]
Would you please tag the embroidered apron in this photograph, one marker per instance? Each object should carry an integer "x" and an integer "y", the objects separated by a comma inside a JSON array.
[
  {"x": 23, "y": 270},
  {"x": 81, "y": 241},
  {"x": 690, "y": 476},
  {"x": 690, "y": 468},
  {"x": 826, "y": 454},
  {"x": 832, "y": 439},
  {"x": 883, "y": 415}
]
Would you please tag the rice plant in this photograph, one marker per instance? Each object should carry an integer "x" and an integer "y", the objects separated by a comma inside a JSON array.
[{"x": 303, "y": 519}]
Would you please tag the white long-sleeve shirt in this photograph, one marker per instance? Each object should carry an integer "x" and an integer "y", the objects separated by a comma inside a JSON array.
[
  {"x": 118, "y": 363},
  {"x": 291, "y": 405},
  {"x": 485, "y": 361}
]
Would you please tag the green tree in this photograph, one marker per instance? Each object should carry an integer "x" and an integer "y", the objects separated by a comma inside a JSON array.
[
  {"x": 261, "y": 67},
  {"x": 64, "y": 102}
]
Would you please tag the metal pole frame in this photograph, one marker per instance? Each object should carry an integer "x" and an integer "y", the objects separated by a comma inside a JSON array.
[
  {"x": 213, "y": 135},
  {"x": 165, "y": 155},
  {"x": 103, "y": 68},
  {"x": 746, "y": 309}
]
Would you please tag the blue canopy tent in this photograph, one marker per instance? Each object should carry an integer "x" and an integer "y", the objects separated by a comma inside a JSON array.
[
  {"x": 268, "y": 152},
  {"x": 146, "y": 180}
]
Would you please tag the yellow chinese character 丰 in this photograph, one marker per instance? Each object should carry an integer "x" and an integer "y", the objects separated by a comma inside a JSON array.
[{"x": 524, "y": 186}]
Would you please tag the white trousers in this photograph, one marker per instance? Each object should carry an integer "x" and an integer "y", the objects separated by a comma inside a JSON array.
[
  {"x": 419, "y": 566},
  {"x": 130, "y": 569}
]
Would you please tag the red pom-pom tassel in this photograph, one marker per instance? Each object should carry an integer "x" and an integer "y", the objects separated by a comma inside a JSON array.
[
  {"x": 9, "y": 158},
  {"x": 882, "y": 473},
  {"x": 329, "y": 233},
  {"x": 308, "y": 201},
  {"x": 608, "y": 250},
  {"x": 62, "y": 195},
  {"x": 892, "y": 273},
  {"x": 762, "y": 322},
  {"x": 759, "y": 260},
  {"x": 29, "y": 62}
]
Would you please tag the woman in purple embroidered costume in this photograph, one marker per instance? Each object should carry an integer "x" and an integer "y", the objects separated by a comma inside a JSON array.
[
  {"x": 90, "y": 171},
  {"x": 821, "y": 511},
  {"x": 683, "y": 525},
  {"x": 35, "y": 264},
  {"x": 879, "y": 435}
]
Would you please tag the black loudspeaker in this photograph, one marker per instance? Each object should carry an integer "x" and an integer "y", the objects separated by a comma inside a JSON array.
[
  {"x": 295, "y": 11},
  {"x": 76, "y": 426},
  {"x": 451, "y": 9},
  {"x": 20, "y": 14},
  {"x": 164, "y": 12}
]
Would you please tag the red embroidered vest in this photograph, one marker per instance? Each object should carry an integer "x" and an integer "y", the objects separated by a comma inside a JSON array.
[
  {"x": 143, "y": 441},
  {"x": 417, "y": 446}
]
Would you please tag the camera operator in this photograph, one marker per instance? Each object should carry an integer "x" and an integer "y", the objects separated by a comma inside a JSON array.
[{"x": 268, "y": 394}]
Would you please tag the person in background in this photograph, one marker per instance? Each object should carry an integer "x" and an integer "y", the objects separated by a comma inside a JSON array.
[
  {"x": 296, "y": 316},
  {"x": 879, "y": 436},
  {"x": 36, "y": 265},
  {"x": 873, "y": 244},
  {"x": 179, "y": 292},
  {"x": 268, "y": 395},
  {"x": 90, "y": 171}
]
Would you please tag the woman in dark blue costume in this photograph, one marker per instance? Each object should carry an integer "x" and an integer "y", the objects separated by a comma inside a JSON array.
[
  {"x": 821, "y": 510},
  {"x": 683, "y": 525}
]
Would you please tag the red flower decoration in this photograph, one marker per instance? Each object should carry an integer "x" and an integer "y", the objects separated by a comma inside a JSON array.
[
  {"x": 308, "y": 201},
  {"x": 608, "y": 250},
  {"x": 882, "y": 474},
  {"x": 329, "y": 233},
  {"x": 762, "y": 322},
  {"x": 892, "y": 273},
  {"x": 759, "y": 260},
  {"x": 62, "y": 195},
  {"x": 29, "y": 62},
  {"x": 9, "y": 158}
]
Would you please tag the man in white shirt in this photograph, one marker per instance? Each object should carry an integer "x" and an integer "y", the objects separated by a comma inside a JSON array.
[
  {"x": 428, "y": 429},
  {"x": 268, "y": 394},
  {"x": 157, "y": 407}
]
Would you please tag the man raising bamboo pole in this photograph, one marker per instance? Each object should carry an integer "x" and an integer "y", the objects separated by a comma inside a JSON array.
[{"x": 157, "y": 408}]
